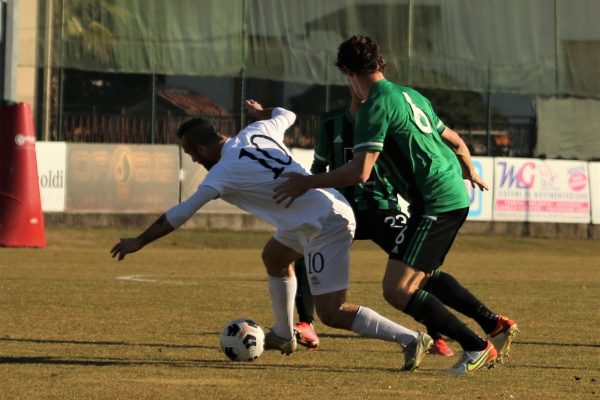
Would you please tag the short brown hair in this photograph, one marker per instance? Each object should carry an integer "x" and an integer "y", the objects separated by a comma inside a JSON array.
[
  {"x": 200, "y": 131},
  {"x": 359, "y": 54}
]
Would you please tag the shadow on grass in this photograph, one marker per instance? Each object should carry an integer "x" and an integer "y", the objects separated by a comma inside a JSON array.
[
  {"x": 103, "y": 362},
  {"x": 516, "y": 342},
  {"x": 105, "y": 343},
  {"x": 215, "y": 364},
  {"x": 224, "y": 364},
  {"x": 190, "y": 346},
  {"x": 589, "y": 345}
]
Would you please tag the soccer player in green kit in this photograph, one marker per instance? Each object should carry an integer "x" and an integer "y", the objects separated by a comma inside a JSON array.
[
  {"x": 375, "y": 204},
  {"x": 426, "y": 162}
]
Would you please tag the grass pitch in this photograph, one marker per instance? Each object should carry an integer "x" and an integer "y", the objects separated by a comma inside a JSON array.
[{"x": 75, "y": 324}]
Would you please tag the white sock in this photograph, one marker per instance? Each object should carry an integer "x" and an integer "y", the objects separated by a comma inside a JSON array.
[
  {"x": 372, "y": 325},
  {"x": 283, "y": 294}
]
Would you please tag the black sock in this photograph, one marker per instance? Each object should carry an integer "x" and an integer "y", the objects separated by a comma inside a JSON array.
[
  {"x": 429, "y": 310},
  {"x": 434, "y": 335},
  {"x": 446, "y": 288},
  {"x": 304, "y": 301}
]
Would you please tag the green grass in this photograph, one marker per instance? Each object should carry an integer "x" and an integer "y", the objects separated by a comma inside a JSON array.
[{"x": 69, "y": 329}]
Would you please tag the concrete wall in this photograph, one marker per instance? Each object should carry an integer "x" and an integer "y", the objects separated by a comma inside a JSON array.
[{"x": 248, "y": 223}]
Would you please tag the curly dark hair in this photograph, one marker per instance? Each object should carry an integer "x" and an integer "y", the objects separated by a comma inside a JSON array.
[{"x": 360, "y": 54}]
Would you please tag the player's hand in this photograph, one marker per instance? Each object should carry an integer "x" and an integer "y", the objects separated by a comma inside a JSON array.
[
  {"x": 290, "y": 189},
  {"x": 256, "y": 112},
  {"x": 252, "y": 106},
  {"x": 477, "y": 181},
  {"x": 126, "y": 246}
]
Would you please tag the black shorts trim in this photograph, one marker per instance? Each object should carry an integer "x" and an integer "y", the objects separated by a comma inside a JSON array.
[{"x": 428, "y": 238}]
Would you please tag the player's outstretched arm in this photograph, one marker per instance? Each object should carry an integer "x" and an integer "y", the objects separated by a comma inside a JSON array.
[
  {"x": 158, "y": 229},
  {"x": 166, "y": 223},
  {"x": 455, "y": 142},
  {"x": 349, "y": 174}
]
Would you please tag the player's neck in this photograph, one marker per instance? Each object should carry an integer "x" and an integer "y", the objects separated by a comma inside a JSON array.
[
  {"x": 367, "y": 81},
  {"x": 220, "y": 146},
  {"x": 374, "y": 77}
]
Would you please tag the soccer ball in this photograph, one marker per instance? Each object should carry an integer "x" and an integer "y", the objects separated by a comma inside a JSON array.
[{"x": 242, "y": 340}]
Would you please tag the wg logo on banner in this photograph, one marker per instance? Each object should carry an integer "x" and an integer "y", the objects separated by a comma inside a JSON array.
[{"x": 521, "y": 178}]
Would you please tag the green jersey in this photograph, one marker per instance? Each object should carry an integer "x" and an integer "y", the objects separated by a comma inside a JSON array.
[
  {"x": 334, "y": 143},
  {"x": 400, "y": 123}
]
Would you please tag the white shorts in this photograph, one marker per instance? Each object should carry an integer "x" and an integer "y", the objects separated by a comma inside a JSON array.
[{"x": 326, "y": 256}]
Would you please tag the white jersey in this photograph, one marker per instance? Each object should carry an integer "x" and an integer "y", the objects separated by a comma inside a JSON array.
[{"x": 250, "y": 167}]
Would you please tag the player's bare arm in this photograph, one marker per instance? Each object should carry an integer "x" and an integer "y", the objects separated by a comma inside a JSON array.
[
  {"x": 158, "y": 229},
  {"x": 356, "y": 171},
  {"x": 455, "y": 142}
]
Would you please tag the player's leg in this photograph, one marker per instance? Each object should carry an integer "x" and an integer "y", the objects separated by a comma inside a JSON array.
[
  {"x": 335, "y": 311},
  {"x": 304, "y": 301},
  {"x": 327, "y": 263},
  {"x": 500, "y": 329},
  {"x": 452, "y": 293},
  {"x": 386, "y": 228},
  {"x": 278, "y": 258},
  {"x": 304, "y": 328},
  {"x": 424, "y": 246},
  {"x": 401, "y": 290}
]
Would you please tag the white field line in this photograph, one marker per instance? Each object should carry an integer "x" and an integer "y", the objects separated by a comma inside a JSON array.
[{"x": 147, "y": 279}]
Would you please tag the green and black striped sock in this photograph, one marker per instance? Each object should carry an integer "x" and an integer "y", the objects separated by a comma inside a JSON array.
[
  {"x": 454, "y": 295},
  {"x": 429, "y": 310}
]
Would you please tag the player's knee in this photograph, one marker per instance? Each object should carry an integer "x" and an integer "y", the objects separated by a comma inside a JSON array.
[
  {"x": 272, "y": 263},
  {"x": 266, "y": 258},
  {"x": 396, "y": 297}
]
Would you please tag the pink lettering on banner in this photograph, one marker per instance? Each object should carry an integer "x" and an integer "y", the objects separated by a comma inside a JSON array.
[
  {"x": 526, "y": 183},
  {"x": 542, "y": 206},
  {"x": 578, "y": 181}
]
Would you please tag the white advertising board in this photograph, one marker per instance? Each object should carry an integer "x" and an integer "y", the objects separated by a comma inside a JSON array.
[
  {"x": 303, "y": 156},
  {"x": 481, "y": 201},
  {"x": 541, "y": 190},
  {"x": 595, "y": 191},
  {"x": 51, "y": 166}
]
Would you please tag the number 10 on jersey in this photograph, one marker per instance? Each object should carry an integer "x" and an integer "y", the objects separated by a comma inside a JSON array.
[{"x": 316, "y": 263}]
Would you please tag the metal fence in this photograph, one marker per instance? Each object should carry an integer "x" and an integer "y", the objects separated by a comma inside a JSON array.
[
  {"x": 103, "y": 127},
  {"x": 515, "y": 139}
]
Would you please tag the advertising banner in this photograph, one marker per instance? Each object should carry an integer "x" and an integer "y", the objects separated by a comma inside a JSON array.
[
  {"x": 122, "y": 178},
  {"x": 51, "y": 165},
  {"x": 541, "y": 190},
  {"x": 481, "y": 201},
  {"x": 303, "y": 156},
  {"x": 595, "y": 191}
]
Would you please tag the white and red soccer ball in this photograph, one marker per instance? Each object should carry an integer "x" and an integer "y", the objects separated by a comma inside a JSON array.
[{"x": 242, "y": 340}]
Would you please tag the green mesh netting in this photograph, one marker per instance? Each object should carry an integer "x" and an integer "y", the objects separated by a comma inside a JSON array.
[{"x": 533, "y": 46}]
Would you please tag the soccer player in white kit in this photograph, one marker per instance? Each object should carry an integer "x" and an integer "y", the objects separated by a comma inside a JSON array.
[{"x": 243, "y": 171}]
